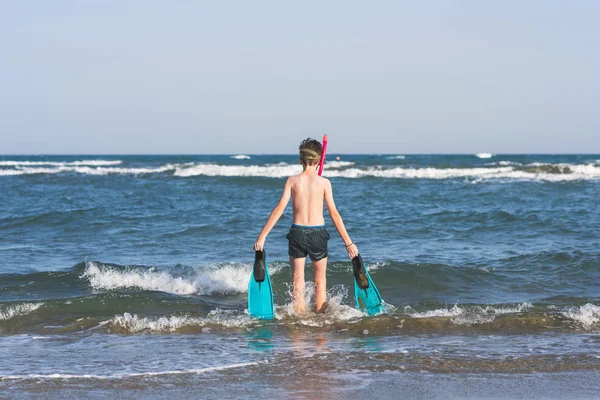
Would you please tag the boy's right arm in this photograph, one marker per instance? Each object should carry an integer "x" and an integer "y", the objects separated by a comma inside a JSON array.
[{"x": 338, "y": 222}]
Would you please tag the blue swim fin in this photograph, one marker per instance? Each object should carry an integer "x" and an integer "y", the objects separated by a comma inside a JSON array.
[
  {"x": 365, "y": 292},
  {"x": 260, "y": 292}
]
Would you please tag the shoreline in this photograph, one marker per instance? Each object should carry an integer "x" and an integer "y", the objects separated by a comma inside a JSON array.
[{"x": 354, "y": 384}]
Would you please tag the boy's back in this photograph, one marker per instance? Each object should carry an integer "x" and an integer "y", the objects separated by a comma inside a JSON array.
[{"x": 308, "y": 193}]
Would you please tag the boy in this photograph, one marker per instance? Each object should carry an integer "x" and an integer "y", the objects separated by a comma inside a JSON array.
[{"x": 308, "y": 235}]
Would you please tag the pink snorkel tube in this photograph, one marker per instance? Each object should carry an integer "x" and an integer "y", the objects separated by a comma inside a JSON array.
[{"x": 323, "y": 155}]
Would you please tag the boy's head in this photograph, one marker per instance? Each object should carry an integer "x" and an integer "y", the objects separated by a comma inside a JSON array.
[{"x": 310, "y": 152}]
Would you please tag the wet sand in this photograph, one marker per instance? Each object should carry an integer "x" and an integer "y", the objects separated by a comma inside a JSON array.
[{"x": 323, "y": 377}]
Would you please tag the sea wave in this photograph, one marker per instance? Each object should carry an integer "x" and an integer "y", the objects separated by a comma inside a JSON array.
[
  {"x": 555, "y": 173},
  {"x": 129, "y": 171},
  {"x": 269, "y": 171},
  {"x": 224, "y": 279},
  {"x": 335, "y": 314},
  {"x": 339, "y": 164},
  {"x": 146, "y": 313},
  {"x": 241, "y": 157},
  {"x": 396, "y": 157},
  {"x": 12, "y": 311},
  {"x": 587, "y": 315},
  {"x": 344, "y": 318},
  {"x": 344, "y": 169},
  {"x": 231, "y": 277},
  {"x": 87, "y": 170},
  {"x": 216, "y": 319},
  {"x": 575, "y": 172},
  {"x": 467, "y": 315},
  {"x": 505, "y": 163},
  {"x": 60, "y": 163}
]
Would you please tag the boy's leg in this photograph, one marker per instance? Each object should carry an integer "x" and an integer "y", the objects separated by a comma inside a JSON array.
[
  {"x": 320, "y": 268},
  {"x": 297, "y": 265}
]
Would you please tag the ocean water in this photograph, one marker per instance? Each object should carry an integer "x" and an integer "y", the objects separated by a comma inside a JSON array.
[{"x": 130, "y": 273}]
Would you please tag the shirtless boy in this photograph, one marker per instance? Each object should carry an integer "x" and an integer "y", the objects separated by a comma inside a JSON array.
[{"x": 308, "y": 235}]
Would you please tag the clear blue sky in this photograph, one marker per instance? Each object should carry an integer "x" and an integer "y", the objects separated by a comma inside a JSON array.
[{"x": 258, "y": 76}]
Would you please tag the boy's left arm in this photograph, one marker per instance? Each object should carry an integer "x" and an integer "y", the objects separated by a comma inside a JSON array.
[{"x": 275, "y": 215}]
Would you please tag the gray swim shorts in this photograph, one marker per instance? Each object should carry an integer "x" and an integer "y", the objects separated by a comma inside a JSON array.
[{"x": 308, "y": 240}]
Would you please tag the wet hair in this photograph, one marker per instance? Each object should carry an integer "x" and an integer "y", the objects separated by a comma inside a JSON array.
[{"x": 310, "y": 152}]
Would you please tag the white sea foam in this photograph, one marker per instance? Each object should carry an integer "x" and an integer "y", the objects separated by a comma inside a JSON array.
[
  {"x": 241, "y": 157},
  {"x": 396, "y": 157},
  {"x": 377, "y": 265},
  {"x": 420, "y": 173},
  {"x": 285, "y": 170},
  {"x": 18, "y": 309},
  {"x": 271, "y": 171},
  {"x": 484, "y": 155},
  {"x": 587, "y": 315},
  {"x": 543, "y": 164},
  {"x": 578, "y": 172},
  {"x": 129, "y": 374},
  {"x": 127, "y": 171},
  {"x": 87, "y": 170},
  {"x": 567, "y": 172},
  {"x": 216, "y": 318},
  {"x": 60, "y": 163},
  {"x": 224, "y": 279},
  {"x": 10, "y": 172},
  {"x": 335, "y": 312},
  {"x": 468, "y": 315},
  {"x": 442, "y": 312},
  {"x": 33, "y": 171},
  {"x": 505, "y": 163},
  {"x": 339, "y": 164}
]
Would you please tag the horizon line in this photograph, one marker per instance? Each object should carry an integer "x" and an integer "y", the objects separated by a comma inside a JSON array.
[{"x": 287, "y": 154}]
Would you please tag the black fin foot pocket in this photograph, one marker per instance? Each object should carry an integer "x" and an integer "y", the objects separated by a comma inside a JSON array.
[
  {"x": 260, "y": 269},
  {"x": 360, "y": 274}
]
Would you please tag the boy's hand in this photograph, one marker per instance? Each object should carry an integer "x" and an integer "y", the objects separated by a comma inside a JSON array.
[
  {"x": 352, "y": 251},
  {"x": 260, "y": 243}
]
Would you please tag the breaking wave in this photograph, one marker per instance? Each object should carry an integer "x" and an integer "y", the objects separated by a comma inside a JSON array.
[
  {"x": 215, "y": 319},
  {"x": 270, "y": 171},
  {"x": 225, "y": 279},
  {"x": 505, "y": 163},
  {"x": 139, "y": 299},
  {"x": 339, "y": 164},
  {"x": 469, "y": 315},
  {"x": 341, "y": 318},
  {"x": 86, "y": 170},
  {"x": 553, "y": 172},
  {"x": 12, "y": 311},
  {"x": 587, "y": 315},
  {"x": 503, "y": 170},
  {"x": 60, "y": 163},
  {"x": 541, "y": 173}
]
